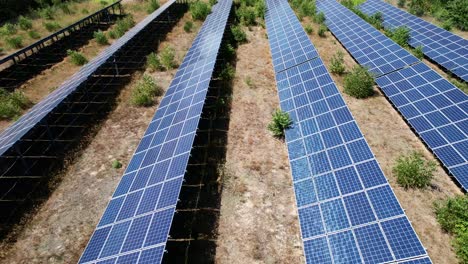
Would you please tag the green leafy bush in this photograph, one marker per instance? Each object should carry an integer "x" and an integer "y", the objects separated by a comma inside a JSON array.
[
  {"x": 401, "y": 3},
  {"x": 418, "y": 52},
  {"x": 116, "y": 164},
  {"x": 153, "y": 63},
  {"x": 309, "y": 29},
  {"x": 319, "y": 18},
  {"x": 84, "y": 11},
  {"x": 337, "y": 63},
  {"x": 239, "y": 34},
  {"x": 112, "y": 34},
  {"x": 413, "y": 171},
  {"x": 452, "y": 215},
  {"x": 199, "y": 10},
  {"x": 307, "y": 8},
  {"x": 322, "y": 30},
  {"x": 188, "y": 26},
  {"x": 359, "y": 83},
  {"x": 246, "y": 15},
  {"x": 457, "y": 11},
  {"x": 77, "y": 58},
  {"x": 167, "y": 56},
  {"x": 47, "y": 13},
  {"x": 52, "y": 26},
  {"x": 65, "y": 9},
  {"x": 280, "y": 122},
  {"x": 11, "y": 104},
  {"x": 8, "y": 29},
  {"x": 15, "y": 42},
  {"x": 145, "y": 91},
  {"x": 260, "y": 9},
  {"x": 122, "y": 26},
  {"x": 153, "y": 5},
  {"x": 447, "y": 25},
  {"x": 227, "y": 73},
  {"x": 100, "y": 37},
  {"x": 417, "y": 7},
  {"x": 400, "y": 35},
  {"x": 212, "y": 2},
  {"x": 24, "y": 23}
]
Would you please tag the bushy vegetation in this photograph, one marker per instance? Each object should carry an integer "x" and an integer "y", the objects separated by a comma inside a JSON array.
[
  {"x": 322, "y": 30},
  {"x": 227, "y": 73},
  {"x": 449, "y": 12},
  {"x": 279, "y": 123},
  {"x": 337, "y": 63},
  {"x": 246, "y": 15},
  {"x": 121, "y": 26},
  {"x": 116, "y": 164},
  {"x": 153, "y": 63},
  {"x": 309, "y": 29},
  {"x": 447, "y": 25},
  {"x": 52, "y": 26},
  {"x": 153, "y": 5},
  {"x": 418, "y": 52},
  {"x": 100, "y": 37},
  {"x": 34, "y": 35},
  {"x": 145, "y": 91},
  {"x": 14, "y": 42},
  {"x": 413, "y": 171},
  {"x": 359, "y": 83},
  {"x": 11, "y": 104},
  {"x": 188, "y": 26},
  {"x": 8, "y": 29},
  {"x": 47, "y": 12},
  {"x": 452, "y": 215},
  {"x": 239, "y": 34},
  {"x": 77, "y": 58},
  {"x": 199, "y": 10},
  {"x": 417, "y": 7},
  {"x": 401, "y": 3},
  {"x": 400, "y": 35},
  {"x": 24, "y": 23},
  {"x": 319, "y": 18},
  {"x": 167, "y": 58}
]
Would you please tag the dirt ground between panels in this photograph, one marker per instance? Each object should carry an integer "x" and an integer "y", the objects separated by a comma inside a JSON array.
[
  {"x": 258, "y": 222},
  {"x": 61, "y": 227},
  {"x": 389, "y": 137},
  {"x": 41, "y": 85}
]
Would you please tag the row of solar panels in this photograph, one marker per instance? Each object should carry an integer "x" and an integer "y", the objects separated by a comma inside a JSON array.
[
  {"x": 435, "y": 108},
  {"x": 447, "y": 49},
  {"x": 136, "y": 223},
  {"x": 347, "y": 210}
]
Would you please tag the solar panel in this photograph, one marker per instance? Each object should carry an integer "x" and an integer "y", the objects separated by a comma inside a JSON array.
[
  {"x": 135, "y": 225},
  {"x": 348, "y": 212},
  {"x": 447, "y": 49},
  {"x": 435, "y": 108},
  {"x": 13, "y": 133}
]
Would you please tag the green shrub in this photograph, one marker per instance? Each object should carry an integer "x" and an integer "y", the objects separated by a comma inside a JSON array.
[
  {"x": 47, "y": 13},
  {"x": 188, "y": 26},
  {"x": 319, "y": 18},
  {"x": 77, "y": 58},
  {"x": 418, "y": 52},
  {"x": 337, "y": 63},
  {"x": 309, "y": 29},
  {"x": 100, "y": 37},
  {"x": 112, "y": 34},
  {"x": 15, "y": 42},
  {"x": 229, "y": 52},
  {"x": 65, "y": 8},
  {"x": 376, "y": 20},
  {"x": 457, "y": 11},
  {"x": 400, "y": 35},
  {"x": 280, "y": 122},
  {"x": 239, "y": 34},
  {"x": 307, "y": 8},
  {"x": 33, "y": 34},
  {"x": 8, "y": 29},
  {"x": 246, "y": 15},
  {"x": 153, "y": 63},
  {"x": 116, "y": 164},
  {"x": 103, "y": 2},
  {"x": 413, "y": 171},
  {"x": 322, "y": 30},
  {"x": 447, "y": 25},
  {"x": 212, "y": 2},
  {"x": 452, "y": 215},
  {"x": 84, "y": 11},
  {"x": 52, "y": 26},
  {"x": 145, "y": 91},
  {"x": 199, "y": 10},
  {"x": 24, "y": 23},
  {"x": 167, "y": 56},
  {"x": 417, "y": 7},
  {"x": 260, "y": 9},
  {"x": 227, "y": 73},
  {"x": 122, "y": 26},
  {"x": 401, "y": 3},
  {"x": 359, "y": 83},
  {"x": 11, "y": 104},
  {"x": 153, "y": 5}
]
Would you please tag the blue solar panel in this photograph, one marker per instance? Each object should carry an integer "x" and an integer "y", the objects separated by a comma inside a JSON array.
[
  {"x": 443, "y": 47},
  {"x": 136, "y": 223},
  {"x": 343, "y": 198},
  {"x": 434, "y": 107}
]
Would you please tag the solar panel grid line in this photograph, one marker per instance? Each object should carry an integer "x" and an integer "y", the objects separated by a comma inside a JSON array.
[
  {"x": 154, "y": 176},
  {"x": 9, "y": 136},
  {"x": 445, "y": 48}
]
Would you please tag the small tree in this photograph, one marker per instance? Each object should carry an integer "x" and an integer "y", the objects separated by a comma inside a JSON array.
[
  {"x": 337, "y": 63},
  {"x": 359, "y": 83},
  {"x": 280, "y": 122},
  {"x": 77, "y": 58},
  {"x": 413, "y": 171},
  {"x": 322, "y": 30}
]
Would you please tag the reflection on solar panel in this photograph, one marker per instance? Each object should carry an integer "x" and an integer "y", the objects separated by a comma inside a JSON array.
[
  {"x": 135, "y": 225},
  {"x": 435, "y": 108},
  {"x": 348, "y": 213},
  {"x": 44, "y": 107},
  {"x": 442, "y": 46}
]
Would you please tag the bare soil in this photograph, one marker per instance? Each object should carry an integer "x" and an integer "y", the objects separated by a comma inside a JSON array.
[
  {"x": 60, "y": 228},
  {"x": 259, "y": 222},
  {"x": 389, "y": 137}
]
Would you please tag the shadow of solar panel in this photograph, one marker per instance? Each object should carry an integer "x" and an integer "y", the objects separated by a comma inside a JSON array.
[
  {"x": 136, "y": 223},
  {"x": 447, "y": 49}
]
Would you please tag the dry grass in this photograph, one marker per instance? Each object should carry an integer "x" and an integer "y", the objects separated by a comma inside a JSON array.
[
  {"x": 258, "y": 222},
  {"x": 87, "y": 184},
  {"x": 389, "y": 136}
]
